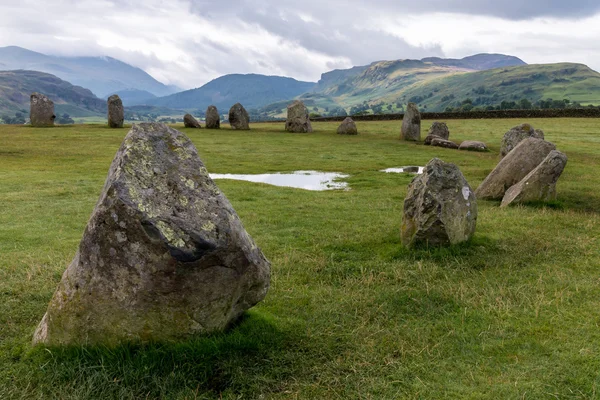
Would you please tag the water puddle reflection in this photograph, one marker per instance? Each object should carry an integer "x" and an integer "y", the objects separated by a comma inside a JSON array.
[
  {"x": 406, "y": 170},
  {"x": 308, "y": 180}
]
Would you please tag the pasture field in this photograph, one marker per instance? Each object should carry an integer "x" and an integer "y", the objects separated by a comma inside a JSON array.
[{"x": 350, "y": 314}]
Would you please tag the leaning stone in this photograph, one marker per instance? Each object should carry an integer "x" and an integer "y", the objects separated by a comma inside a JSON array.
[
  {"x": 348, "y": 127},
  {"x": 439, "y": 129},
  {"x": 164, "y": 256},
  {"x": 517, "y": 134},
  {"x": 41, "y": 112},
  {"x": 411, "y": 124},
  {"x": 190, "y": 122},
  {"x": 539, "y": 184},
  {"x": 213, "y": 119},
  {"x": 298, "y": 120},
  {"x": 116, "y": 112},
  {"x": 472, "y": 145},
  {"x": 515, "y": 166},
  {"x": 439, "y": 142},
  {"x": 440, "y": 207},
  {"x": 238, "y": 117}
]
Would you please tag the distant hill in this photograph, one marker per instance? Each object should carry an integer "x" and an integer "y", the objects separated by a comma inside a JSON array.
[
  {"x": 102, "y": 75},
  {"x": 478, "y": 62},
  {"x": 17, "y": 86},
  {"x": 251, "y": 90},
  {"x": 134, "y": 97}
]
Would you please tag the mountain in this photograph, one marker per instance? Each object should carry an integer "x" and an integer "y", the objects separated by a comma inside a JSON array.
[
  {"x": 251, "y": 90},
  {"x": 102, "y": 75},
  {"x": 134, "y": 97},
  {"x": 17, "y": 86},
  {"x": 478, "y": 62},
  {"x": 435, "y": 84}
]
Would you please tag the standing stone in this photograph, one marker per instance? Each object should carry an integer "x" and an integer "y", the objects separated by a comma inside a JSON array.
[
  {"x": 439, "y": 142},
  {"x": 238, "y": 117},
  {"x": 437, "y": 129},
  {"x": 515, "y": 166},
  {"x": 41, "y": 111},
  {"x": 348, "y": 127},
  {"x": 297, "y": 120},
  {"x": 213, "y": 119},
  {"x": 164, "y": 255},
  {"x": 440, "y": 207},
  {"x": 411, "y": 124},
  {"x": 190, "y": 122},
  {"x": 116, "y": 112},
  {"x": 517, "y": 134},
  {"x": 539, "y": 184},
  {"x": 473, "y": 145}
]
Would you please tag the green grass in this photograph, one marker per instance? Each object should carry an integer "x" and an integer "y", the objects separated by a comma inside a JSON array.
[{"x": 350, "y": 314}]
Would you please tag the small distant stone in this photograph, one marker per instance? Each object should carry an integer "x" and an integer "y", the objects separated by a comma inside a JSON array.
[
  {"x": 41, "y": 112},
  {"x": 539, "y": 184},
  {"x": 517, "y": 134},
  {"x": 439, "y": 129},
  {"x": 440, "y": 207},
  {"x": 514, "y": 167},
  {"x": 472, "y": 145},
  {"x": 239, "y": 118},
  {"x": 213, "y": 119},
  {"x": 348, "y": 127},
  {"x": 411, "y": 124},
  {"x": 439, "y": 142},
  {"x": 190, "y": 122},
  {"x": 298, "y": 120}
]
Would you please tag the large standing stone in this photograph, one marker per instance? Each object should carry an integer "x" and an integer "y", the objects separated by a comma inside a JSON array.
[
  {"x": 213, "y": 119},
  {"x": 164, "y": 255},
  {"x": 190, "y": 122},
  {"x": 539, "y": 184},
  {"x": 41, "y": 112},
  {"x": 440, "y": 207},
  {"x": 473, "y": 145},
  {"x": 411, "y": 123},
  {"x": 347, "y": 127},
  {"x": 238, "y": 117},
  {"x": 515, "y": 166},
  {"x": 298, "y": 120},
  {"x": 116, "y": 112},
  {"x": 517, "y": 134}
]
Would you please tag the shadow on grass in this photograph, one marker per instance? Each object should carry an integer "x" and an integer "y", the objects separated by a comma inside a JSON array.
[{"x": 251, "y": 358}]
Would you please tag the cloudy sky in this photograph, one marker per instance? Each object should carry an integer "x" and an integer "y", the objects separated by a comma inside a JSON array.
[{"x": 189, "y": 42}]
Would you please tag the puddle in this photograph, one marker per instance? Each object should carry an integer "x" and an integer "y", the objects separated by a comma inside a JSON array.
[
  {"x": 407, "y": 170},
  {"x": 308, "y": 180}
]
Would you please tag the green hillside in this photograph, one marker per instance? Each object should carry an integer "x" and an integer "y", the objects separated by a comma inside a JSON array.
[
  {"x": 388, "y": 86},
  {"x": 17, "y": 86}
]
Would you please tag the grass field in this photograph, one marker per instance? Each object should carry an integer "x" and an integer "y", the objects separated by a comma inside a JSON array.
[{"x": 350, "y": 314}]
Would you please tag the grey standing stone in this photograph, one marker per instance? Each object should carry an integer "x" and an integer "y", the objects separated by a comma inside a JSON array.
[
  {"x": 411, "y": 124},
  {"x": 239, "y": 118},
  {"x": 164, "y": 255},
  {"x": 298, "y": 120},
  {"x": 440, "y": 207},
  {"x": 517, "y": 134},
  {"x": 472, "y": 145},
  {"x": 347, "y": 127},
  {"x": 515, "y": 166},
  {"x": 539, "y": 184},
  {"x": 41, "y": 111},
  {"x": 213, "y": 119},
  {"x": 439, "y": 142},
  {"x": 116, "y": 112},
  {"x": 439, "y": 129},
  {"x": 190, "y": 122}
]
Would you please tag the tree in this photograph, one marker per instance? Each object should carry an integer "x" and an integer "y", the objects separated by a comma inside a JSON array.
[{"x": 525, "y": 104}]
